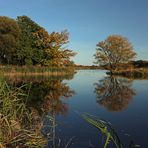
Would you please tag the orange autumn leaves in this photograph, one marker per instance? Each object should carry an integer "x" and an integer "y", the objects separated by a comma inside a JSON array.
[
  {"x": 113, "y": 51},
  {"x": 56, "y": 54}
]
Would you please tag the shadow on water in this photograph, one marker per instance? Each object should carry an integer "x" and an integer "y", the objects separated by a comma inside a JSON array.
[{"x": 114, "y": 93}]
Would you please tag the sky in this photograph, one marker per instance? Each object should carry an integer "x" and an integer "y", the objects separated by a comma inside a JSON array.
[{"x": 87, "y": 21}]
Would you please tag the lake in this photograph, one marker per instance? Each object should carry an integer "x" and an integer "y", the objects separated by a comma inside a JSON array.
[{"x": 61, "y": 101}]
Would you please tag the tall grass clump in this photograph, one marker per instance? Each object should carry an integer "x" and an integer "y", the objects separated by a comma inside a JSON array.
[
  {"x": 16, "y": 121},
  {"x": 107, "y": 130}
]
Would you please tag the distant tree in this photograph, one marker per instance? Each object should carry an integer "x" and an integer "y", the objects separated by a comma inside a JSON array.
[
  {"x": 9, "y": 35},
  {"x": 139, "y": 63},
  {"x": 115, "y": 50}
]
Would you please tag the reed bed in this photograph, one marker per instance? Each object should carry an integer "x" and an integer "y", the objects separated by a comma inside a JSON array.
[
  {"x": 34, "y": 70},
  {"x": 16, "y": 120}
]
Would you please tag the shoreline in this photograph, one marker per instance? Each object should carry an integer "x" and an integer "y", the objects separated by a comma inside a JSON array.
[
  {"x": 141, "y": 73},
  {"x": 34, "y": 73}
]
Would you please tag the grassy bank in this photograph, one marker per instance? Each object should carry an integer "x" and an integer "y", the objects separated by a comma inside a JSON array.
[
  {"x": 139, "y": 73},
  {"x": 34, "y": 70}
]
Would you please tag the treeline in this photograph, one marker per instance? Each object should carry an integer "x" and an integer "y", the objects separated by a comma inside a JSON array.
[
  {"x": 87, "y": 67},
  {"x": 24, "y": 42},
  {"x": 140, "y": 63}
]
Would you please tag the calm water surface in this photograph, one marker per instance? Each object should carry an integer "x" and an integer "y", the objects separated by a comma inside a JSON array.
[
  {"x": 126, "y": 108},
  {"x": 120, "y": 101}
]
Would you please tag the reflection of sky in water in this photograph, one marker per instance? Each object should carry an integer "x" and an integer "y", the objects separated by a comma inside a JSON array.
[
  {"x": 83, "y": 84},
  {"x": 132, "y": 121}
]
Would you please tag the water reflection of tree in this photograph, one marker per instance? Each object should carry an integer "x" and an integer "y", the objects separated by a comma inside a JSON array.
[
  {"x": 45, "y": 93},
  {"x": 114, "y": 93},
  {"x": 53, "y": 102}
]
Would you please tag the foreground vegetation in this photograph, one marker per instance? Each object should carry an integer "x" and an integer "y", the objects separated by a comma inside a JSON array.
[
  {"x": 107, "y": 130},
  {"x": 16, "y": 120},
  {"x": 25, "y": 101}
]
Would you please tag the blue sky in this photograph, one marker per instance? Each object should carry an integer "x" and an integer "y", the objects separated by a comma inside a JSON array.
[{"x": 88, "y": 21}]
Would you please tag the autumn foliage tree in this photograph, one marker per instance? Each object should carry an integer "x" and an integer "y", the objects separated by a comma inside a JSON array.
[
  {"x": 53, "y": 45},
  {"x": 24, "y": 42},
  {"x": 57, "y": 53},
  {"x": 114, "y": 51}
]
